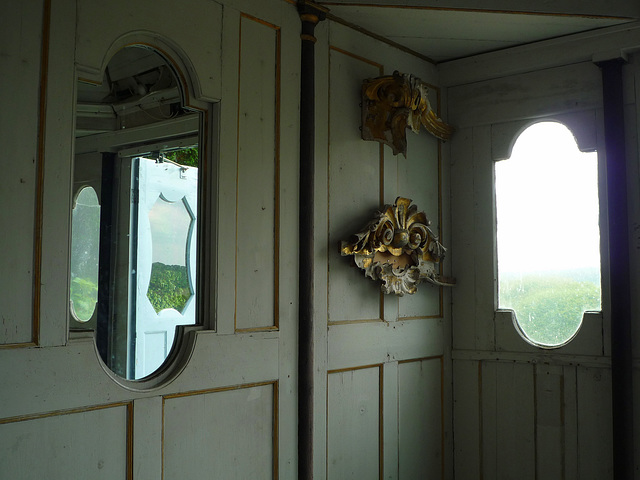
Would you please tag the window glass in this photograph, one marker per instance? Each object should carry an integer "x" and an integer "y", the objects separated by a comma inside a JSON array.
[
  {"x": 85, "y": 238},
  {"x": 547, "y": 234}
]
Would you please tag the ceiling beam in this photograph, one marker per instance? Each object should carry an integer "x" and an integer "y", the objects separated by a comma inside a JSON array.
[{"x": 588, "y": 8}]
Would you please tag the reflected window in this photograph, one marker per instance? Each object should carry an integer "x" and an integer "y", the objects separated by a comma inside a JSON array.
[
  {"x": 548, "y": 236},
  {"x": 169, "y": 284},
  {"x": 85, "y": 238}
]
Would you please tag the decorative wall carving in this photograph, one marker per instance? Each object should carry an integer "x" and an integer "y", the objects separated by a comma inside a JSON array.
[
  {"x": 393, "y": 103},
  {"x": 398, "y": 247}
]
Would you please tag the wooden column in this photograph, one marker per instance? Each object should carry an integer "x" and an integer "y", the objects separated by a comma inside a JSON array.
[
  {"x": 621, "y": 345},
  {"x": 310, "y": 15}
]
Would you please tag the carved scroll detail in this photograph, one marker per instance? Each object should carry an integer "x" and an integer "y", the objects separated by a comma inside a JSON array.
[
  {"x": 398, "y": 247},
  {"x": 393, "y": 103}
]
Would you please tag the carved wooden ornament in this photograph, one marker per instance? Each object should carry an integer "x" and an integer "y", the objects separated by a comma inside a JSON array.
[
  {"x": 393, "y": 103},
  {"x": 399, "y": 248}
]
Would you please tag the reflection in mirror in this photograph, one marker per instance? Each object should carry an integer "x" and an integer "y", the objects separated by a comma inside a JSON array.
[
  {"x": 85, "y": 232},
  {"x": 169, "y": 283},
  {"x": 548, "y": 234},
  {"x": 138, "y": 142}
]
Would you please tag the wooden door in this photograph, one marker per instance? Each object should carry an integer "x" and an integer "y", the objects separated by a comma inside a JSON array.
[{"x": 166, "y": 214}]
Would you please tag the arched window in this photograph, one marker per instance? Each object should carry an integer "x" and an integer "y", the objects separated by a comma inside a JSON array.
[{"x": 548, "y": 238}]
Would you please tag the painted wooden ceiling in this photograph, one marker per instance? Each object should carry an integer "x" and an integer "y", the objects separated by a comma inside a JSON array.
[{"x": 453, "y": 29}]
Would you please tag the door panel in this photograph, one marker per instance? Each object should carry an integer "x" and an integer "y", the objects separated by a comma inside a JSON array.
[
  {"x": 165, "y": 242},
  {"x": 384, "y": 400},
  {"x": 237, "y": 389}
]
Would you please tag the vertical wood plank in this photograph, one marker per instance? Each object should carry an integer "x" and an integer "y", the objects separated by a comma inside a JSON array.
[
  {"x": 489, "y": 420},
  {"x": 419, "y": 180},
  {"x": 56, "y": 198},
  {"x": 463, "y": 240},
  {"x": 226, "y": 211},
  {"x": 420, "y": 426},
  {"x": 390, "y": 427},
  {"x": 484, "y": 238},
  {"x": 353, "y": 424},
  {"x": 147, "y": 438},
  {"x": 515, "y": 436},
  {"x": 354, "y": 187},
  {"x": 549, "y": 405},
  {"x": 258, "y": 179},
  {"x": 21, "y": 32},
  {"x": 595, "y": 436},
  {"x": 570, "y": 422},
  {"x": 467, "y": 424}
]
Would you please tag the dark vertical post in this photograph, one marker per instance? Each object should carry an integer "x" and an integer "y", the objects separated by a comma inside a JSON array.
[
  {"x": 310, "y": 15},
  {"x": 621, "y": 345},
  {"x": 107, "y": 210}
]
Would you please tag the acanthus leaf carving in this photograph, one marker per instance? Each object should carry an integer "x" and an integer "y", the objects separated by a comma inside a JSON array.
[
  {"x": 393, "y": 103},
  {"x": 398, "y": 247}
]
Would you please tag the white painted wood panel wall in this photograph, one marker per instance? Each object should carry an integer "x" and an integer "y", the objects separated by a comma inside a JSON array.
[
  {"x": 519, "y": 411},
  {"x": 382, "y": 403},
  {"x": 232, "y": 410}
]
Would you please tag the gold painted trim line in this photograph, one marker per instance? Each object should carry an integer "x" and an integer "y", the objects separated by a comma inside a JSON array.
[
  {"x": 380, "y": 38},
  {"x": 270, "y": 328},
  {"x": 40, "y": 163},
  {"x": 130, "y": 440},
  {"x": 309, "y": 38},
  {"x": 309, "y": 17},
  {"x": 205, "y": 391},
  {"x": 11, "y": 346},
  {"x": 350, "y": 322},
  {"x": 379, "y": 66},
  {"x": 476, "y": 10},
  {"x": 58, "y": 413},
  {"x": 276, "y": 431}
]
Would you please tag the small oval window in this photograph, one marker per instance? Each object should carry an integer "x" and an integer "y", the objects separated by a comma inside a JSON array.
[
  {"x": 85, "y": 238},
  {"x": 547, "y": 234}
]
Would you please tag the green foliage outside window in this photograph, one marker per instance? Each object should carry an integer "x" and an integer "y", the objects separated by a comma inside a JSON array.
[
  {"x": 168, "y": 287},
  {"x": 186, "y": 156},
  {"x": 84, "y": 293},
  {"x": 549, "y": 307}
]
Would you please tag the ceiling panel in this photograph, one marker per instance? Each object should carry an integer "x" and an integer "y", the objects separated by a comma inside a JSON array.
[{"x": 443, "y": 35}]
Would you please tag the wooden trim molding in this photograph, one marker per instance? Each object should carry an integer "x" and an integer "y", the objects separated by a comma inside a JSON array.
[{"x": 275, "y": 415}]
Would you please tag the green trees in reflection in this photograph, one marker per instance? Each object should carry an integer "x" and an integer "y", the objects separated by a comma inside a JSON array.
[
  {"x": 84, "y": 294},
  {"x": 549, "y": 307},
  {"x": 168, "y": 287},
  {"x": 185, "y": 156}
]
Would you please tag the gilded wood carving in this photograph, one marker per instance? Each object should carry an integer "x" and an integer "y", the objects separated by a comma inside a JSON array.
[
  {"x": 398, "y": 247},
  {"x": 393, "y": 103}
]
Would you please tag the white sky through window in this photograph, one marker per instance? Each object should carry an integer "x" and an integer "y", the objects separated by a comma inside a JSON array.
[{"x": 547, "y": 203}]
